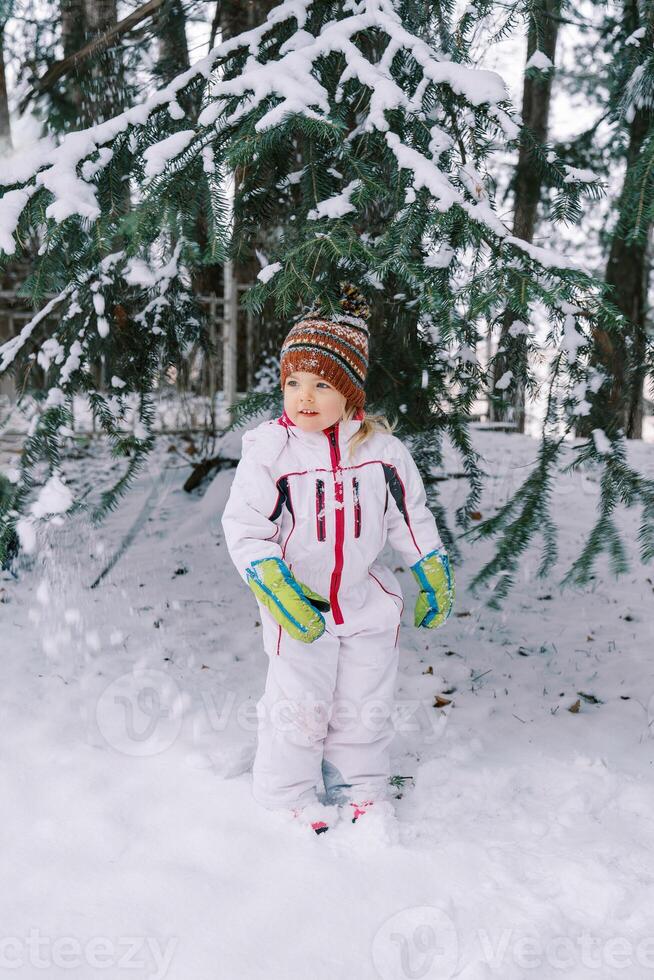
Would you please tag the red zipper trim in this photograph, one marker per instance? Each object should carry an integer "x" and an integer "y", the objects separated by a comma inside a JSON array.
[
  {"x": 332, "y": 436},
  {"x": 320, "y": 510},
  {"x": 357, "y": 507}
]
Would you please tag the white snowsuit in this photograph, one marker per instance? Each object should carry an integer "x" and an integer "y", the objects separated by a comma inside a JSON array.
[{"x": 325, "y": 715}]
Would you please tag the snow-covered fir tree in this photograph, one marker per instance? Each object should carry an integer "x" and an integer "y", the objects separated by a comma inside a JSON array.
[{"x": 363, "y": 133}]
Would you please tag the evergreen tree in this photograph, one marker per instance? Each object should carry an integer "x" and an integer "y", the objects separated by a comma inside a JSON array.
[{"x": 397, "y": 131}]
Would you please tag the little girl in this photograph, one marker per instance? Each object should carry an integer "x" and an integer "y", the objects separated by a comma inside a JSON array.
[{"x": 315, "y": 496}]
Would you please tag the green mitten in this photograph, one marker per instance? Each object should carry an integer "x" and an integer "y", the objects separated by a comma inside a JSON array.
[
  {"x": 436, "y": 597},
  {"x": 294, "y": 605}
]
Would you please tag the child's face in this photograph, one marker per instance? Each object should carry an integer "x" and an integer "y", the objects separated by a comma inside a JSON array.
[{"x": 305, "y": 392}]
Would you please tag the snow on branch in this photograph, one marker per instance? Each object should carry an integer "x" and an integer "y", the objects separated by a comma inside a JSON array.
[
  {"x": 284, "y": 86},
  {"x": 74, "y": 147},
  {"x": 9, "y": 349},
  {"x": 335, "y": 206}
]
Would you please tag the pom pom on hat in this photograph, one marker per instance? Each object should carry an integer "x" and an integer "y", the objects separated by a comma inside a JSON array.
[{"x": 353, "y": 303}]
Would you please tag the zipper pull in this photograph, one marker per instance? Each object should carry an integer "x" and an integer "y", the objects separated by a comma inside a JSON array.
[{"x": 332, "y": 439}]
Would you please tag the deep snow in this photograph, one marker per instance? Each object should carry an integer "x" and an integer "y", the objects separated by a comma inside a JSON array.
[{"x": 524, "y": 839}]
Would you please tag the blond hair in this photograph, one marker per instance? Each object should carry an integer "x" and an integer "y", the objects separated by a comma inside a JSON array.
[{"x": 371, "y": 423}]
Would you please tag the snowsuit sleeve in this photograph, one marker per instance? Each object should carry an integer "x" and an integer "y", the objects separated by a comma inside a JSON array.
[
  {"x": 246, "y": 520},
  {"x": 412, "y": 528}
]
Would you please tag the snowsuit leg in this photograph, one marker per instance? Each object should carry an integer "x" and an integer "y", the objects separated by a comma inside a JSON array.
[
  {"x": 325, "y": 717},
  {"x": 292, "y": 716},
  {"x": 357, "y": 746}
]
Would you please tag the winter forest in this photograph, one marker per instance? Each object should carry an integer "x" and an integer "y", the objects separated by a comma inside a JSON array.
[{"x": 449, "y": 206}]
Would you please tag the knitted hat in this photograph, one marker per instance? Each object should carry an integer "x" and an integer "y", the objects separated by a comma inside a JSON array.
[{"x": 335, "y": 347}]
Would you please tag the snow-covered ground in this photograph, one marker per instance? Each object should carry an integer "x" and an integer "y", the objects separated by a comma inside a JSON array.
[{"x": 524, "y": 839}]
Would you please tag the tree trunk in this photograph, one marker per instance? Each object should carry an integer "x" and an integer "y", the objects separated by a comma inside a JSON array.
[
  {"x": 5, "y": 125},
  {"x": 173, "y": 59},
  {"x": 237, "y": 17},
  {"x": 173, "y": 43},
  {"x": 105, "y": 90},
  {"x": 96, "y": 90},
  {"x": 73, "y": 35},
  {"x": 622, "y": 357},
  {"x": 536, "y": 100}
]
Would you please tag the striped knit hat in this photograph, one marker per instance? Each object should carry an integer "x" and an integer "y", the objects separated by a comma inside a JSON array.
[{"x": 335, "y": 347}]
